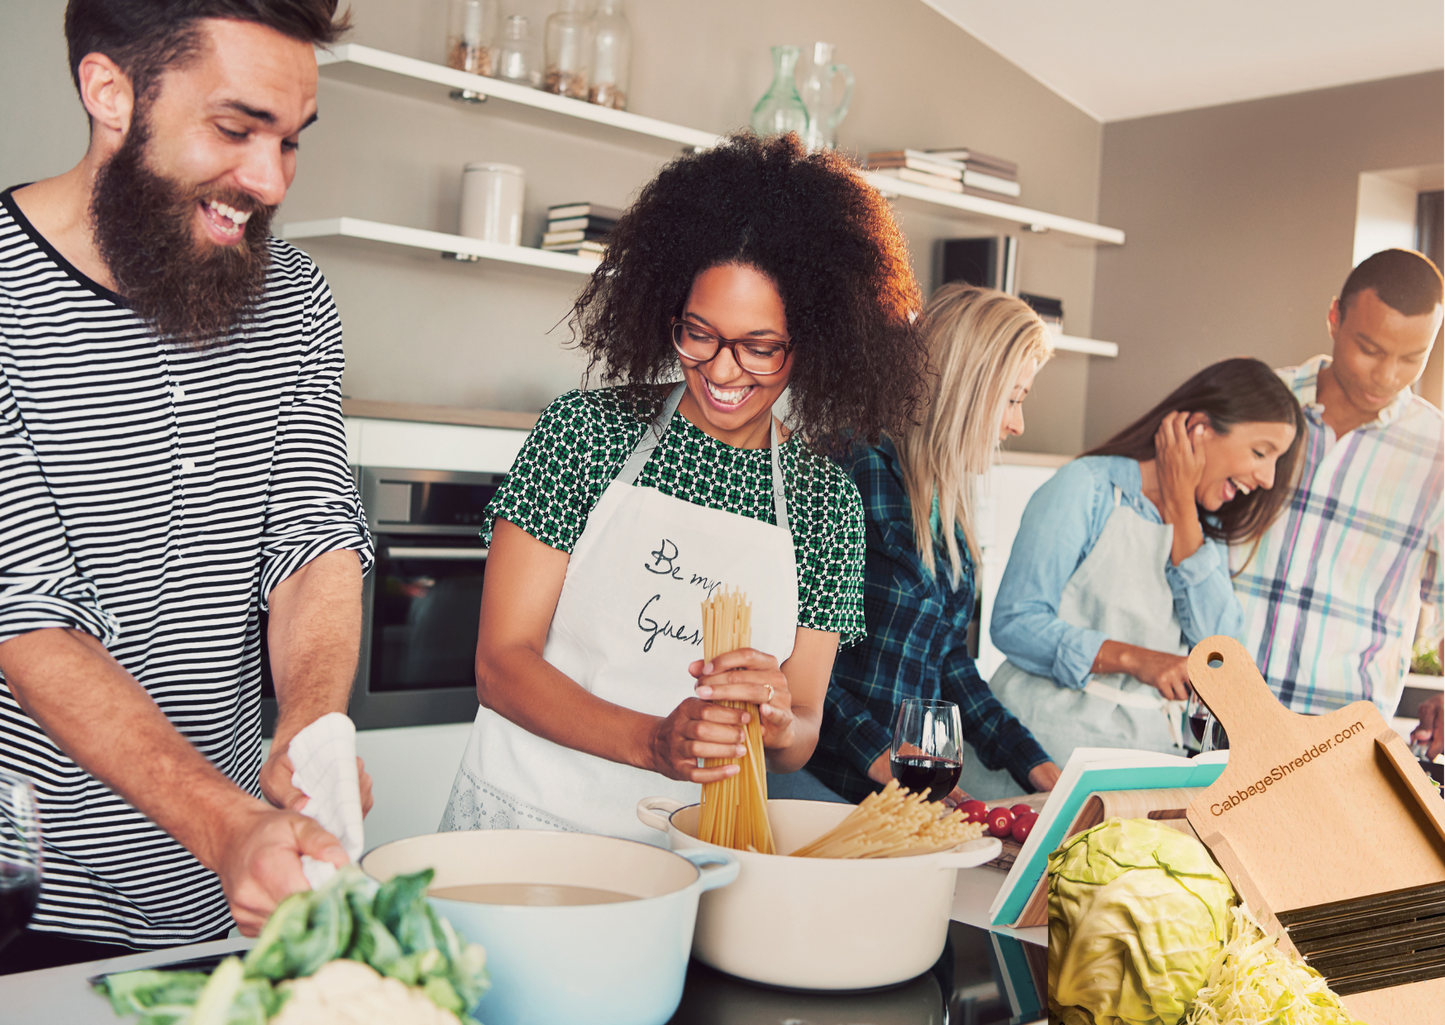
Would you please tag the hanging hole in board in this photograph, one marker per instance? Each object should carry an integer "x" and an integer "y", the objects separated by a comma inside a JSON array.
[{"x": 1215, "y": 660}]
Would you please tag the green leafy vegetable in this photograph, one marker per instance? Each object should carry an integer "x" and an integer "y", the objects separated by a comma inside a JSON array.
[
  {"x": 1252, "y": 980},
  {"x": 1137, "y": 912},
  {"x": 392, "y": 928}
]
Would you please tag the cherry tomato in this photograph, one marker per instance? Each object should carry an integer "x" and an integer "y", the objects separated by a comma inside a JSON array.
[
  {"x": 1023, "y": 826},
  {"x": 974, "y": 811},
  {"x": 1000, "y": 821},
  {"x": 1022, "y": 809}
]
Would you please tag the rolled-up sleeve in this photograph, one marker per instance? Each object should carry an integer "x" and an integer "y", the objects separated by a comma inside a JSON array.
[
  {"x": 1002, "y": 742},
  {"x": 1057, "y": 531},
  {"x": 40, "y": 586},
  {"x": 312, "y": 507},
  {"x": 1204, "y": 597}
]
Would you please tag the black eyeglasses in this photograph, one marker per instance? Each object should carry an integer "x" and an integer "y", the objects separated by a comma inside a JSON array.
[{"x": 699, "y": 345}]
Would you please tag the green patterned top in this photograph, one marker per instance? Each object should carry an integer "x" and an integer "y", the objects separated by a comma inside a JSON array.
[{"x": 583, "y": 438}]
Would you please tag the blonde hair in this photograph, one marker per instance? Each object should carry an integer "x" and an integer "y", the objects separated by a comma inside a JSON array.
[{"x": 979, "y": 341}]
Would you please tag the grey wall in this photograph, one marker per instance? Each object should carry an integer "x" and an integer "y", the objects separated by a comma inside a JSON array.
[
  {"x": 419, "y": 330},
  {"x": 1240, "y": 222}
]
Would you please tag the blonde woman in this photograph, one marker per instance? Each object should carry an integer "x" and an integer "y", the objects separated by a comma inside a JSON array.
[{"x": 918, "y": 596}]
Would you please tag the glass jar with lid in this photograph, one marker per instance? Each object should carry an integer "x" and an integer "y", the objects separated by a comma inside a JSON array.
[
  {"x": 611, "y": 55},
  {"x": 471, "y": 31},
  {"x": 515, "y": 60},
  {"x": 567, "y": 43}
]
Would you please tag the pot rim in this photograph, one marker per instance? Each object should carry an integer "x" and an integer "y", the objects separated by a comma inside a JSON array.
[
  {"x": 963, "y": 852},
  {"x": 723, "y": 871}
]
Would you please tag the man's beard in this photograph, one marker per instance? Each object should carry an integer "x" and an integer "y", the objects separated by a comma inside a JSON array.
[{"x": 193, "y": 294}]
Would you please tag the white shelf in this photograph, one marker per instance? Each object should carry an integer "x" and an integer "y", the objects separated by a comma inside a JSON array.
[
  {"x": 995, "y": 210},
  {"x": 1090, "y": 346},
  {"x": 407, "y": 76},
  {"x": 436, "y": 241}
]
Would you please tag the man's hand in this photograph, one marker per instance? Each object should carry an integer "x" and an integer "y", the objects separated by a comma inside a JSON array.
[
  {"x": 260, "y": 866},
  {"x": 277, "y": 786},
  {"x": 1432, "y": 726}
]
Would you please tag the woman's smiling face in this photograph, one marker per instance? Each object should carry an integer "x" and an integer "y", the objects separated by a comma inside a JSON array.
[
  {"x": 724, "y": 400},
  {"x": 1240, "y": 461}
]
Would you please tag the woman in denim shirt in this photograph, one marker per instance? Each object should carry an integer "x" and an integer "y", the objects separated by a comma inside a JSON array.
[{"x": 1119, "y": 566}]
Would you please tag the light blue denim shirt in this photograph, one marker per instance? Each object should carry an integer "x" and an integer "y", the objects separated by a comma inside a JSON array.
[{"x": 1060, "y": 526}]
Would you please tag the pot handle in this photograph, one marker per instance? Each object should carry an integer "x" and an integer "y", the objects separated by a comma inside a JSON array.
[
  {"x": 972, "y": 854},
  {"x": 657, "y": 811},
  {"x": 717, "y": 868}
]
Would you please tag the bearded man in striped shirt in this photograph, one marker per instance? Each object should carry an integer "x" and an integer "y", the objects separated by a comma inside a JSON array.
[
  {"x": 172, "y": 463},
  {"x": 1333, "y": 594}
]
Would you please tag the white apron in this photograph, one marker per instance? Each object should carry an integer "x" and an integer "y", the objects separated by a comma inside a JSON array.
[
  {"x": 1120, "y": 590},
  {"x": 628, "y": 623}
]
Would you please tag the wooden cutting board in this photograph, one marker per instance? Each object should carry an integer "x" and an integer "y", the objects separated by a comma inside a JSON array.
[{"x": 1312, "y": 809}]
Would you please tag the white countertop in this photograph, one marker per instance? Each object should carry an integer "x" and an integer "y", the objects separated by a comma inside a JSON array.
[{"x": 60, "y": 996}]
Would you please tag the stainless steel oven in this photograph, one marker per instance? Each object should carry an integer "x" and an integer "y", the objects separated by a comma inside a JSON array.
[{"x": 422, "y": 601}]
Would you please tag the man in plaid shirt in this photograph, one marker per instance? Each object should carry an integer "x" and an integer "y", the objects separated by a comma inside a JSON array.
[{"x": 1332, "y": 596}]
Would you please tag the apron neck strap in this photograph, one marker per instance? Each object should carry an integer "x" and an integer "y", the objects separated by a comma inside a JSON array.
[{"x": 652, "y": 437}]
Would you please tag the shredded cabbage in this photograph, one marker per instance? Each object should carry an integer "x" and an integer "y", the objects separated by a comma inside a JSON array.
[{"x": 1253, "y": 982}]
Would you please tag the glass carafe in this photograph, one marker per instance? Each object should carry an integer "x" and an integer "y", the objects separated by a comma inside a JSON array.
[
  {"x": 568, "y": 45},
  {"x": 781, "y": 108},
  {"x": 611, "y": 56},
  {"x": 818, "y": 94}
]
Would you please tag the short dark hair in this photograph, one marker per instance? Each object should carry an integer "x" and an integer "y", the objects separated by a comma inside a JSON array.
[
  {"x": 1230, "y": 392},
  {"x": 1405, "y": 281},
  {"x": 144, "y": 37},
  {"x": 813, "y": 226}
]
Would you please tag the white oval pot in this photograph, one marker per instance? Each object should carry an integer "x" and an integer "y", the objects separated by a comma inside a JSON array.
[{"x": 820, "y": 923}]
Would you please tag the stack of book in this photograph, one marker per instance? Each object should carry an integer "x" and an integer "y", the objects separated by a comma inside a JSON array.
[
  {"x": 580, "y": 228},
  {"x": 952, "y": 170}
]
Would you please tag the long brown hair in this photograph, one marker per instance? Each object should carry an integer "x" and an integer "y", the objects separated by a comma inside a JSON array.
[{"x": 1229, "y": 393}]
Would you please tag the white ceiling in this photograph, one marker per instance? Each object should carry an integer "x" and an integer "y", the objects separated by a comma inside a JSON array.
[{"x": 1120, "y": 59}]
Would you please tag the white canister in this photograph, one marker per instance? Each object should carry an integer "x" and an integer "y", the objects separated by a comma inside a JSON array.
[{"x": 492, "y": 202}]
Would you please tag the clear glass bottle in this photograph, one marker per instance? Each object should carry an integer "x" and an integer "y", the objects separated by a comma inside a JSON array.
[
  {"x": 567, "y": 43},
  {"x": 611, "y": 56},
  {"x": 817, "y": 92},
  {"x": 781, "y": 109},
  {"x": 514, "y": 56},
  {"x": 471, "y": 31}
]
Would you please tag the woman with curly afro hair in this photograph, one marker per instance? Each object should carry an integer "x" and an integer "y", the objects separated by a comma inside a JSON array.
[{"x": 738, "y": 272}]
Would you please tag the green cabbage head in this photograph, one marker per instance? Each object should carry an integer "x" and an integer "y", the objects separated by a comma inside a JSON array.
[{"x": 1137, "y": 912}]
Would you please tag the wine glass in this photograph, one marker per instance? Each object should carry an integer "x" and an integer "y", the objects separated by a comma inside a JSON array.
[
  {"x": 927, "y": 748},
  {"x": 19, "y": 855},
  {"x": 1205, "y": 734}
]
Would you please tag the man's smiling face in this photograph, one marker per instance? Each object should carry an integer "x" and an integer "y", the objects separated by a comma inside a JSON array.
[{"x": 182, "y": 210}]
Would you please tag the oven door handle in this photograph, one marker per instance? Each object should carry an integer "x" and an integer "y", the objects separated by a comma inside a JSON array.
[{"x": 443, "y": 554}]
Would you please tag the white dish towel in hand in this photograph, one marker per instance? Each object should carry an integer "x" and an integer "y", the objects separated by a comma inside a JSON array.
[{"x": 323, "y": 763}]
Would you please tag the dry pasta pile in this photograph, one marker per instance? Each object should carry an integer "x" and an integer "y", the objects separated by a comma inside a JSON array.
[
  {"x": 893, "y": 824},
  {"x": 735, "y": 810}
]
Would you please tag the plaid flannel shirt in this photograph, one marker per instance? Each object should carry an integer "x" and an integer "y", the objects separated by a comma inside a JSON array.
[
  {"x": 1332, "y": 596},
  {"x": 916, "y": 646}
]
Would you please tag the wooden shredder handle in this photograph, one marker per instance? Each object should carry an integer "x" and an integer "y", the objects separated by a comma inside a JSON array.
[{"x": 1234, "y": 690}]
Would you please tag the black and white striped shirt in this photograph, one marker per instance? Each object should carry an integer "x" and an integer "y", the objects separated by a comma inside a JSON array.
[{"x": 153, "y": 496}]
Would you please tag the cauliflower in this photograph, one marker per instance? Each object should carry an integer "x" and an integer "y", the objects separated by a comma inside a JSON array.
[{"x": 351, "y": 993}]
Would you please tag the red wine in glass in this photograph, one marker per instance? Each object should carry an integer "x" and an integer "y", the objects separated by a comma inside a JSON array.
[
  {"x": 927, "y": 748},
  {"x": 919, "y": 772},
  {"x": 19, "y": 892},
  {"x": 19, "y": 855}
]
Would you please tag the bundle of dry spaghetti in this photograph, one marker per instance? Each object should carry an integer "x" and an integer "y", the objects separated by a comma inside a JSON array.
[
  {"x": 735, "y": 810},
  {"x": 893, "y": 824}
]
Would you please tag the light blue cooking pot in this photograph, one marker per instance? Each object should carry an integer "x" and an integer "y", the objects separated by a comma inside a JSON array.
[{"x": 594, "y": 964}]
